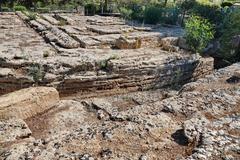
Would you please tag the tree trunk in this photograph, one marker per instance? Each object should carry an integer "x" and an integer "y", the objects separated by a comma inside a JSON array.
[
  {"x": 106, "y": 6},
  {"x": 0, "y": 5},
  {"x": 165, "y": 4},
  {"x": 12, "y": 4},
  {"x": 183, "y": 16}
]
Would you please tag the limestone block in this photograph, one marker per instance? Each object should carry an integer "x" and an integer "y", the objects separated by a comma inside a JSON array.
[
  {"x": 28, "y": 102},
  {"x": 124, "y": 43}
]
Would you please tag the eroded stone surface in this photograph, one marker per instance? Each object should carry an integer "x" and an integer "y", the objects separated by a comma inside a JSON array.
[
  {"x": 115, "y": 106},
  {"x": 201, "y": 121},
  {"x": 13, "y": 129},
  {"x": 77, "y": 60},
  {"x": 27, "y": 102}
]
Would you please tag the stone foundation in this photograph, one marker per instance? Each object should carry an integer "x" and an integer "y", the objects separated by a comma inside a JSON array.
[{"x": 79, "y": 55}]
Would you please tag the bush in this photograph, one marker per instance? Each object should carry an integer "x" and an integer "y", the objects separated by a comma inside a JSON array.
[
  {"x": 36, "y": 71},
  {"x": 187, "y": 5},
  {"x": 43, "y": 10},
  {"x": 199, "y": 32},
  {"x": 31, "y": 15},
  {"x": 153, "y": 15},
  {"x": 168, "y": 15},
  {"x": 231, "y": 28},
  {"x": 125, "y": 12},
  {"x": 171, "y": 15},
  {"x": 20, "y": 8},
  {"x": 208, "y": 11},
  {"x": 138, "y": 12},
  {"x": 226, "y": 4},
  {"x": 90, "y": 9},
  {"x": 6, "y": 9}
]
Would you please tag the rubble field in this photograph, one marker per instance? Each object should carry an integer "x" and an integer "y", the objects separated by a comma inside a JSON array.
[{"x": 78, "y": 87}]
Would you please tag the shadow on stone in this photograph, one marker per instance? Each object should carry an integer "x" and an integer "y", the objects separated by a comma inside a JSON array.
[
  {"x": 179, "y": 137},
  {"x": 233, "y": 79}
]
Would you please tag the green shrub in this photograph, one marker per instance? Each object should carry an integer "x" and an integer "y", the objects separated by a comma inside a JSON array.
[
  {"x": 43, "y": 10},
  {"x": 31, "y": 15},
  {"x": 40, "y": 4},
  {"x": 171, "y": 15},
  {"x": 231, "y": 28},
  {"x": 90, "y": 9},
  {"x": 199, "y": 32},
  {"x": 153, "y": 15},
  {"x": 226, "y": 4},
  {"x": 62, "y": 22},
  {"x": 6, "y": 9},
  {"x": 187, "y": 5},
  {"x": 125, "y": 12},
  {"x": 36, "y": 71},
  {"x": 20, "y": 8},
  {"x": 138, "y": 12},
  {"x": 208, "y": 11},
  {"x": 53, "y": 7}
]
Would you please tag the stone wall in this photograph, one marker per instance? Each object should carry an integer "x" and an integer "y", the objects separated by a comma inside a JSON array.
[{"x": 148, "y": 76}]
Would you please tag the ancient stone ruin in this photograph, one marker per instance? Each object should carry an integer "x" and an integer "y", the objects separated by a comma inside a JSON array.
[{"x": 92, "y": 87}]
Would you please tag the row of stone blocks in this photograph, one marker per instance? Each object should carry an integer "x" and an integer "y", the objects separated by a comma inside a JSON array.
[
  {"x": 141, "y": 79},
  {"x": 145, "y": 77}
]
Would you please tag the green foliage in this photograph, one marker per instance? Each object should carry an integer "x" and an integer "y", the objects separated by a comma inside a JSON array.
[
  {"x": 6, "y": 9},
  {"x": 90, "y": 9},
  {"x": 20, "y": 8},
  {"x": 36, "y": 71},
  {"x": 167, "y": 15},
  {"x": 231, "y": 28},
  {"x": 43, "y": 10},
  {"x": 104, "y": 64},
  {"x": 153, "y": 15},
  {"x": 211, "y": 12},
  {"x": 187, "y": 5},
  {"x": 199, "y": 32},
  {"x": 62, "y": 22},
  {"x": 171, "y": 15},
  {"x": 226, "y": 4},
  {"x": 138, "y": 12},
  {"x": 125, "y": 12},
  {"x": 31, "y": 15}
]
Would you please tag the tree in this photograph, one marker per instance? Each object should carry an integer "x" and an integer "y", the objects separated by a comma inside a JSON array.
[
  {"x": 0, "y": 5},
  {"x": 105, "y": 8},
  {"x": 186, "y": 5},
  {"x": 230, "y": 45},
  {"x": 199, "y": 32}
]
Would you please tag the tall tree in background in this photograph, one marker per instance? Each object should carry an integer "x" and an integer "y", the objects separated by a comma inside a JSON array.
[
  {"x": 165, "y": 3},
  {"x": 105, "y": 8},
  {"x": 0, "y": 5},
  {"x": 11, "y": 4}
]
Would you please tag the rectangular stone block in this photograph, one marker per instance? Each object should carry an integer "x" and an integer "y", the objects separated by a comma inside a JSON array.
[{"x": 28, "y": 102}]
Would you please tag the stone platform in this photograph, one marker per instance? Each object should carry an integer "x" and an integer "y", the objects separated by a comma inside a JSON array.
[
  {"x": 117, "y": 83},
  {"x": 78, "y": 54}
]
